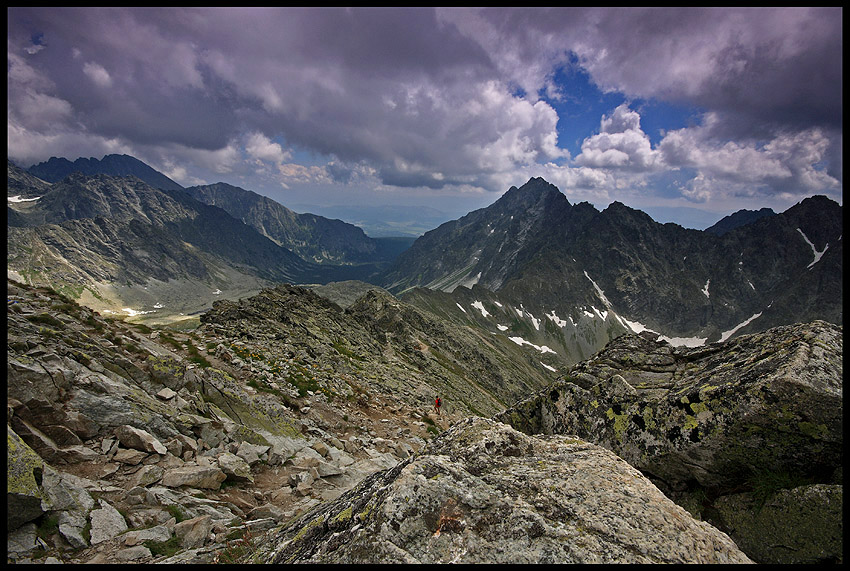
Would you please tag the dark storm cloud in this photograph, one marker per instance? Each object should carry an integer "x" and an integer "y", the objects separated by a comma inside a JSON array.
[
  {"x": 775, "y": 66},
  {"x": 433, "y": 98}
]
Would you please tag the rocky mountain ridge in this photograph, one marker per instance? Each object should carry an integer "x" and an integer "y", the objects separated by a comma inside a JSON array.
[
  {"x": 119, "y": 242},
  {"x": 712, "y": 426},
  {"x": 132, "y": 444},
  {"x": 290, "y": 428},
  {"x": 533, "y": 248},
  {"x": 314, "y": 238},
  {"x": 56, "y": 169},
  {"x": 301, "y": 248}
]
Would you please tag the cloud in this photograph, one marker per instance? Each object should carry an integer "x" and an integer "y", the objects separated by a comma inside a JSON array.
[
  {"x": 260, "y": 147},
  {"x": 434, "y": 98},
  {"x": 621, "y": 143},
  {"x": 97, "y": 74},
  {"x": 787, "y": 163}
]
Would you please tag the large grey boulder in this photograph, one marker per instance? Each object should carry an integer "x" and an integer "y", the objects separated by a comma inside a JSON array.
[
  {"x": 209, "y": 477},
  {"x": 234, "y": 467},
  {"x": 106, "y": 523},
  {"x": 483, "y": 492},
  {"x": 23, "y": 495},
  {"x": 138, "y": 439}
]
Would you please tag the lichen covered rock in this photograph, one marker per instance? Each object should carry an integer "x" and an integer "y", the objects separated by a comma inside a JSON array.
[
  {"x": 484, "y": 493},
  {"x": 23, "y": 495},
  {"x": 702, "y": 421},
  {"x": 714, "y": 415}
]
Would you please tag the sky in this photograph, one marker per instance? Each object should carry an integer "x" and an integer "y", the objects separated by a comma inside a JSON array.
[{"x": 687, "y": 114}]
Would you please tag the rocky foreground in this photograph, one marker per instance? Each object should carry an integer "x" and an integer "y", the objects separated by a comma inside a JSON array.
[
  {"x": 483, "y": 492},
  {"x": 747, "y": 434},
  {"x": 284, "y": 429}
]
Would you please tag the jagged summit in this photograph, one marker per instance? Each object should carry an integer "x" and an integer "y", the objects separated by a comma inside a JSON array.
[
  {"x": 56, "y": 168},
  {"x": 536, "y": 251}
]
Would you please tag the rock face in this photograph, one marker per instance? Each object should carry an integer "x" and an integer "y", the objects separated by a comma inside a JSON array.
[
  {"x": 127, "y": 443},
  {"x": 122, "y": 447},
  {"x": 485, "y": 493},
  {"x": 709, "y": 420},
  {"x": 550, "y": 257},
  {"x": 23, "y": 496}
]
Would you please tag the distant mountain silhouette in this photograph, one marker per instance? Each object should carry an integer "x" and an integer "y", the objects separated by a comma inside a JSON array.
[
  {"x": 737, "y": 219},
  {"x": 56, "y": 169}
]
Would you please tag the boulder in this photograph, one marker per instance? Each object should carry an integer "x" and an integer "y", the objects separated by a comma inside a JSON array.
[
  {"x": 483, "y": 492},
  {"x": 234, "y": 467},
  {"x": 209, "y": 477},
  {"x": 158, "y": 533},
  {"x": 166, "y": 394},
  {"x": 64, "y": 492},
  {"x": 714, "y": 415},
  {"x": 133, "y": 553},
  {"x": 138, "y": 439},
  {"x": 702, "y": 421},
  {"x": 72, "y": 525},
  {"x": 148, "y": 475},
  {"x": 23, "y": 471},
  {"x": 128, "y": 456},
  {"x": 22, "y": 541},
  {"x": 106, "y": 523},
  {"x": 193, "y": 533}
]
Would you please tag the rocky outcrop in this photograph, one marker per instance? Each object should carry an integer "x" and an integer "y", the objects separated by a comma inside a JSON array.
[
  {"x": 160, "y": 445},
  {"x": 122, "y": 449},
  {"x": 485, "y": 493},
  {"x": 761, "y": 410},
  {"x": 23, "y": 470}
]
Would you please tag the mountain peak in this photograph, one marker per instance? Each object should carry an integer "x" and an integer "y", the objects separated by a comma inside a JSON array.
[
  {"x": 56, "y": 169},
  {"x": 535, "y": 191}
]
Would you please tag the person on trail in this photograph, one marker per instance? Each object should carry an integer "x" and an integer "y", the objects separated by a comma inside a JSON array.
[{"x": 437, "y": 403}]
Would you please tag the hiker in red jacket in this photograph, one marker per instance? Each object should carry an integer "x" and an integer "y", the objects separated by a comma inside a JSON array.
[{"x": 437, "y": 403}]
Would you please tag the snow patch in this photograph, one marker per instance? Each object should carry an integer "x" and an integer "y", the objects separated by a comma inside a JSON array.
[
  {"x": 502, "y": 327},
  {"x": 553, "y": 369},
  {"x": 461, "y": 307},
  {"x": 558, "y": 321},
  {"x": 818, "y": 255},
  {"x": 705, "y": 289},
  {"x": 133, "y": 312},
  {"x": 637, "y": 327},
  {"x": 727, "y": 334},
  {"x": 216, "y": 292},
  {"x": 684, "y": 341},
  {"x": 520, "y": 341},
  {"x": 19, "y": 199},
  {"x": 480, "y": 307},
  {"x": 599, "y": 291}
]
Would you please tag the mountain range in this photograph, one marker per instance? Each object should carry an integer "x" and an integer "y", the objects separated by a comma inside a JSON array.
[
  {"x": 557, "y": 278},
  {"x": 571, "y": 265},
  {"x": 613, "y": 389},
  {"x": 128, "y": 237}
]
